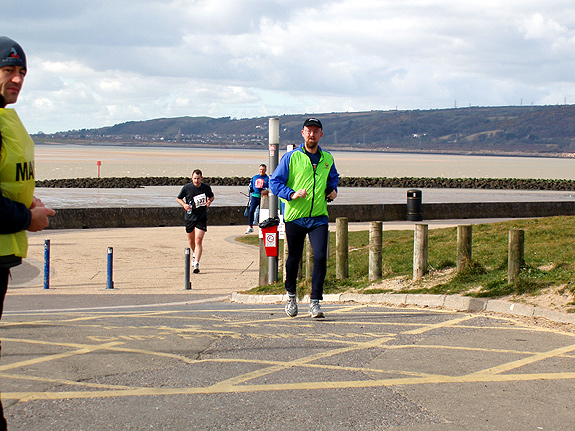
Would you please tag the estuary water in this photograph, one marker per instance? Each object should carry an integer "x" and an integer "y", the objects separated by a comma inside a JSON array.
[{"x": 78, "y": 161}]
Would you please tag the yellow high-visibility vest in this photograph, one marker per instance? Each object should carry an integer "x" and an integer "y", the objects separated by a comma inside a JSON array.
[{"x": 16, "y": 175}]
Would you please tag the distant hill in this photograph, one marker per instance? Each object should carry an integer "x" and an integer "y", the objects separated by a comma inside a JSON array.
[{"x": 537, "y": 130}]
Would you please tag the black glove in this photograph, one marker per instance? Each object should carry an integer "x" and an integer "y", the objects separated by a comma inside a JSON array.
[{"x": 328, "y": 191}]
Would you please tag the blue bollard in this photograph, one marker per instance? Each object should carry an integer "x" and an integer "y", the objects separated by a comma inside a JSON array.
[
  {"x": 110, "y": 282},
  {"x": 46, "y": 264},
  {"x": 187, "y": 282}
]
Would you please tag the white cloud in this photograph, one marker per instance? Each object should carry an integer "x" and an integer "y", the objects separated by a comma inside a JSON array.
[
  {"x": 538, "y": 27},
  {"x": 102, "y": 62}
]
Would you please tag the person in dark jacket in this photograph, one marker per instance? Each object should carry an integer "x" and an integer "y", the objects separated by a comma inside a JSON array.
[
  {"x": 259, "y": 185},
  {"x": 20, "y": 210}
]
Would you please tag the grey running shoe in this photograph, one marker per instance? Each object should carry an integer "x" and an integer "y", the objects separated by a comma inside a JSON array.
[
  {"x": 196, "y": 267},
  {"x": 291, "y": 306},
  {"x": 315, "y": 309}
]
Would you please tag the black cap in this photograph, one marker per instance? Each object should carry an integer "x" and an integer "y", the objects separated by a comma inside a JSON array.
[
  {"x": 11, "y": 54},
  {"x": 312, "y": 122}
]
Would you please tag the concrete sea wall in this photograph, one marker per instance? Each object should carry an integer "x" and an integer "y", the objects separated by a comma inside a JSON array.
[{"x": 91, "y": 218}]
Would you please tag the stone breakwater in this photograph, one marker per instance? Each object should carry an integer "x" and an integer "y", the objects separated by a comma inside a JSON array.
[{"x": 403, "y": 182}]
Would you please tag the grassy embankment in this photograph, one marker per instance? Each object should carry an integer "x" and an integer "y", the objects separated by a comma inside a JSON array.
[{"x": 549, "y": 261}]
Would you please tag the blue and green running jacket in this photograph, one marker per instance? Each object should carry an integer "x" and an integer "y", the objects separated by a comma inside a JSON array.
[{"x": 295, "y": 171}]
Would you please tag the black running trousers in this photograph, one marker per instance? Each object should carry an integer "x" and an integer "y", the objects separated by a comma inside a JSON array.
[{"x": 295, "y": 237}]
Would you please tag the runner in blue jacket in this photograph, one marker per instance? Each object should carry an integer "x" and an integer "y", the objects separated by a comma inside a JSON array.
[
  {"x": 305, "y": 179},
  {"x": 259, "y": 186}
]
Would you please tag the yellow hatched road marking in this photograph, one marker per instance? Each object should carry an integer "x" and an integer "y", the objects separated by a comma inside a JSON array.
[
  {"x": 239, "y": 383},
  {"x": 297, "y": 362},
  {"x": 321, "y": 366},
  {"x": 63, "y": 381},
  {"x": 526, "y": 361},
  {"x": 46, "y": 343},
  {"x": 49, "y": 358},
  {"x": 432, "y": 326},
  {"x": 220, "y": 389}
]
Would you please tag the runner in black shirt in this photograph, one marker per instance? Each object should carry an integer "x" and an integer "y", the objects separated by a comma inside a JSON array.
[{"x": 196, "y": 197}]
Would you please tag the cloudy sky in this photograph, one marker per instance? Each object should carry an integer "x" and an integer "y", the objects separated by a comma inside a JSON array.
[{"x": 101, "y": 62}]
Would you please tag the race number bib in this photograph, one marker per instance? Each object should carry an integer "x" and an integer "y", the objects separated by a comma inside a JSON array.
[
  {"x": 259, "y": 183},
  {"x": 200, "y": 200}
]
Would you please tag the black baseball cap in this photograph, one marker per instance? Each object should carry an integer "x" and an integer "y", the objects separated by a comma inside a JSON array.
[
  {"x": 11, "y": 54},
  {"x": 312, "y": 122}
]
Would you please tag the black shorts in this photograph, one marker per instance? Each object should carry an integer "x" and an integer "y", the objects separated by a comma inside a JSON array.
[{"x": 192, "y": 224}]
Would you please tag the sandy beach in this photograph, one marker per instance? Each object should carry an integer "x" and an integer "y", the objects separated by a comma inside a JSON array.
[{"x": 77, "y": 161}]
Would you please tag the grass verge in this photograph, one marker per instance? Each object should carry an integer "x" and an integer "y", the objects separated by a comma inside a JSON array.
[{"x": 549, "y": 261}]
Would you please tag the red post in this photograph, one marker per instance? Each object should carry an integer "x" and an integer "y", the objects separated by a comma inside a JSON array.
[{"x": 98, "y": 163}]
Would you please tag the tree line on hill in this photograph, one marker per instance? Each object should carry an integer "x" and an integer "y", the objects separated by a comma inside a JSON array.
[{"x": 514, "y": 130}]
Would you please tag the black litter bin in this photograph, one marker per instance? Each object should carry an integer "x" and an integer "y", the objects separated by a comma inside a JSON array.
[{"x": 414, "y": 212}]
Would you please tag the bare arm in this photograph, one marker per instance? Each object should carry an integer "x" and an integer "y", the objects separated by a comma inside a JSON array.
[{"x": 186, "y": 206}]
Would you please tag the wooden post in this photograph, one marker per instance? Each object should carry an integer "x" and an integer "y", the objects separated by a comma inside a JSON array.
[
  {"x": 308, "y": 259},
  {"x": 420, "y": 251},
  {"x": 342, "y": 252},
  {"x": 516, "y": 254},
  {"x": 375, "y": 250},
  {"x": 285, "y": 256},
  {"x": 300, "y": 269},
  {"x": 264, "y": 203},
  {"x": 464, "y": 238}
]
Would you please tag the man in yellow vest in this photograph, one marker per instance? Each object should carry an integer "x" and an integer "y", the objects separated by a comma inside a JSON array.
[
  {"x": 306, "y": 179},
  {"x": 19, "y": 209}
]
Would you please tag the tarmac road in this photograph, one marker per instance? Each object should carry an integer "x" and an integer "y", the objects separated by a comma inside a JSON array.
[{"x": 202, "y": 363}]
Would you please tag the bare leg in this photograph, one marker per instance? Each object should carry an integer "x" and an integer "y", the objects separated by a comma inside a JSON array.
[
  {"x": 192, "y": 240},
  {"x": 199, "y": 238}
]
